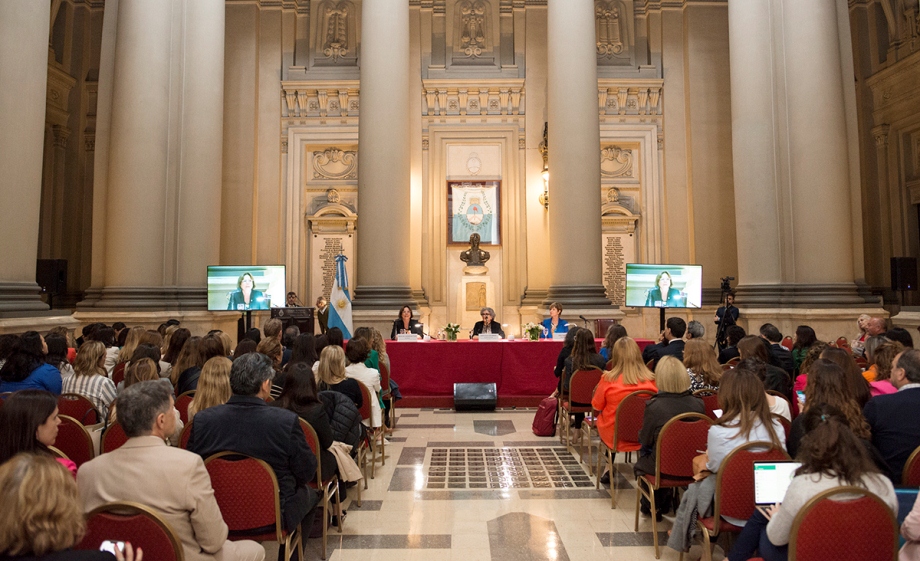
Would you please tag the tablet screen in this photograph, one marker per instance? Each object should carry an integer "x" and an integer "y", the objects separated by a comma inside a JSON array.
[{"x": 771, "y": 479}]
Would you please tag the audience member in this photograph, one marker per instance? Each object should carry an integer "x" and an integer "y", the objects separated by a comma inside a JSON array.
[
  {"x": 778, "y": 406},
  {"x": 858, "y": 342},
  {"x": 372, "y": 360},
  {"x": 173, "y": 348},
  {"x": 57, "y": 355},
  {"x": 831, "y": 457},
  {"x": 876, "y": 326},
  {"x": 884, "y": 359},
  {"x": 272, "y": 329},
  {"x": 893, "y": 418},
  {"x": 89, "y": 378},
  {"x": 291, "y": 333},
  {"x": 857, "y": 387},
  {"x": 171, "y": 481},
  {"x": 871, "y": 344},
  {"x": 106, "y": 336},
  {"x": 254, "y": 334},
  {"x": 814, "y": 353},
  {"x": 141, "y": 369},
  {"x": 304, "y": 350},
  {"x": 330, "y": 375},
  {"x": 29, "y": 423},
  {"x": 777, "y": 379},
  {"x": 131, "y": 343},
  {"x": 673, "y": 399},
  {"x": 8, "y": 343},
  {"x": 25, "y": 367},
  {"x": 614, "y": 333},
  {"x": 564, "y": 353},
  {"x": 804, "y": 338},
  {"x": 271, "y": 347},
  {"x": 779, "y": 355},
  {"x": 207, "y": 348},
  {"x": 213, "y": 386},
  {"x": 247, "y": 425},
  {"x": 701, "y": 366},
  {"x": 227, "y": 343},
  {"x": 627, "y": 374},
  {"x": 900, "y": 335},
  {"x": 334, "y": 337},
  {"x": 733, "y": 334},
  {"x": 244, "y": 347},
  {"x": 827, "y": 387},
  {"x": 355, "y": 354},
  {"x": 695, "y": 330},
  {"x": 670, "y": 342},
  {"x": 42, "y": 519},
  {"x": 584, "y": 357}
]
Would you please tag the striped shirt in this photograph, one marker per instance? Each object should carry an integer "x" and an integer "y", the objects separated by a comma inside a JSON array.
[{"x": 98, "y": 389}]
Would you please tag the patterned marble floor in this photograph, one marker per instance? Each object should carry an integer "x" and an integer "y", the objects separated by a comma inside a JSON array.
[{"x": 480, "y": 486}]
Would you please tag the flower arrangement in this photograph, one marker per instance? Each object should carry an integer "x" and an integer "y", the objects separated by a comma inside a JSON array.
[
  {"x": 533, "y": 330},
  {"x": 451, "y": 329}
]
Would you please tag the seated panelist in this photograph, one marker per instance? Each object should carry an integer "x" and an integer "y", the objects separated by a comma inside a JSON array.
[
  {"x": 487, "y": 325},
  {"x": 663, "y": 295},
  {"x": 246, "y": 297},
  {"x": 405, "y": 323},
  {"x": 554, "y": 323}
]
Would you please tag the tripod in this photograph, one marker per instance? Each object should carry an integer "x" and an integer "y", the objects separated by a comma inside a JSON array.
[{"x": 727, "y": 319}]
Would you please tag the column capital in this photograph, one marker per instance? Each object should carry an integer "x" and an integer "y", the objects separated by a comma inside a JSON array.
[
  {"x": 880, "y": 133},
  {"x": 61, "y": 134}
]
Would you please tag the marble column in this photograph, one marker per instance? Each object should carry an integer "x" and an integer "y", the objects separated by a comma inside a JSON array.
[
  {"x": 23, "y": 79},
  {"x": 201, "y": 151},
  {"x": 135, "y": 256},
  {"x": 574, "y": 156},
  {"x": 383, "y": 280},
  {"x": 791, "y": 163}
]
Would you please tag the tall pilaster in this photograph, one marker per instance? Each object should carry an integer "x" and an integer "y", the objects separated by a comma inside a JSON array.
[
  {"x": 791, "y": 163},
  {"x": 23, "y": 50},
  {"x": 574, "y": 156},
  {"x": 383, "y": 157},
  {"x": 201, "y": 151}
]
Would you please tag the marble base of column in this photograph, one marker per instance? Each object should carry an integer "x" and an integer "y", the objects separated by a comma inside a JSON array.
[
  {"x": 534, "y": 296},
  {"x": 800, "y": 295},
  {"x": 18, "y": 298},
  {"x": 578, "y": 296},
  {"x": 383, "y": 297},
  {"x": 145, "y": 298},
  {"x": 419, "y": 296}
]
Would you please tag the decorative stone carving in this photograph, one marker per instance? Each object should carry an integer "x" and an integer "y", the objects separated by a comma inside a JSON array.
[
  {"x": 613, "y": 196},
  {"x": 456, "y": 98},
  {"x": 332, "y": 196},
  {"x": 335, "y": 31},
  {"x": 473, "y": 163},
  {"x": 609, "y": 21},
  {"x": 473, "y": 27},
  {"x": 616, "y": 162},
  {"x": 335, "y": 164}
]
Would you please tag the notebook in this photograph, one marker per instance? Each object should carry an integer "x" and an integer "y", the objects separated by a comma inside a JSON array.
[{"x": 771, "y": 479}]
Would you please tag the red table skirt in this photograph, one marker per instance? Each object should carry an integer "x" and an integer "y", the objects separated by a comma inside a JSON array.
[{"x": 522, "y": 370}]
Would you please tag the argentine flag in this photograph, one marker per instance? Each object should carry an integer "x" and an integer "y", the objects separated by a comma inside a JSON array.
[{"x": 339, "y": 299}]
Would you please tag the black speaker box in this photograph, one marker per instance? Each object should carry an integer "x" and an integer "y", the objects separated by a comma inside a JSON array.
[
  {"x": 475, "y": 397},
  {"x": 51, "y": 275},
  {"x": 903, "y": 273}
]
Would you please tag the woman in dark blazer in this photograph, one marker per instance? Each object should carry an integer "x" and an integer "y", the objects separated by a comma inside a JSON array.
[
  {"x": 406, "y": 324},
  {"x": 246, "y": 297},
  {"x": 488, "y": 324},
  {"x": 663, "y": 295}
]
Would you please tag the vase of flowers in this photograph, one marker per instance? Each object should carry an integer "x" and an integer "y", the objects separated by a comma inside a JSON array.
[
  {"x": 451, "y": 330},
  {"x": 533, "y": 330}
]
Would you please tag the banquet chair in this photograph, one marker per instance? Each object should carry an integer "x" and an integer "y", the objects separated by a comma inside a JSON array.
[
  {"x": 328, "y": 484},
  {"x": 79, "y": 407},
  {"x": 113, "y": 438},
  {"x": 734, "y": 495},
  {"x": 386, "y": 393},
  {"x": 246, "y": 490},
  {"x": 843, "y": 343},
  {"x": 787, "y": 343},
  {"x": 734, "y": 361},
  {"x": 910, "y": 477},
  {"x": 373, "y": 433},
  {"x": 710, "y": 402},
  {"x": 581, "y": 389},
  {"x": 863, "y": 528},
  {"x": 182, "y": 403},
  {"x": 118, "y": 373},
  {"x": 787, "y": 426},
  {"x": 676, "y": 446},
  {"x": 626, "y": 426},
  {"x": 74, "y": 440},
  {"x": 185, "y": 435},
  {"x": 56, "y": 452},
  {"x": 132, "y": 522}
]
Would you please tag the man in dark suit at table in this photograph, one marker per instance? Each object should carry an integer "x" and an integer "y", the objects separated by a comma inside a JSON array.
[
  {"x": 247, "y": 425},
  {"x": 893, "y": 417},
  {"x": 670, "y": 342}
]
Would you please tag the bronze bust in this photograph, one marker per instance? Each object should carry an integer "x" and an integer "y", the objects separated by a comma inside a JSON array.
[{"x": 474, "y": 257}]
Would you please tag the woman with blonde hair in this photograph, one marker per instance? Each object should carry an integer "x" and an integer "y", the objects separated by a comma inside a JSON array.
[
  {"x": 213, "y": 386},
  {"x": 131, "y": 343},
  {"x": 702, "y": 365},
  {"x": 89, "y": 379},
  {"x": 42, "y": 516},
  {"x": 330, "y": 375},
  {"x": 627, "y": 374},
  {"x": 145, "y": 370},
  {"x": 673, "y": 399}
]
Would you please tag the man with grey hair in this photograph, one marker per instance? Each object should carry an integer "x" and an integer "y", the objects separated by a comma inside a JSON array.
[
  {"x": 171, "y": 481},
  {"x": 893, "y": 417},
  {"x": 487, "y": 325},
  {"x": 247, "y": 425},
  {"x": 695, "y": 330}
]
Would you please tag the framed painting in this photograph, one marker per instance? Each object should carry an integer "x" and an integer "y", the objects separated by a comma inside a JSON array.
[{"x": 473, "y": 208}]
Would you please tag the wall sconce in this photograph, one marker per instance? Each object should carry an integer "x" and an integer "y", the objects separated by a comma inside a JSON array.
[{"x": 544, "y": 151}]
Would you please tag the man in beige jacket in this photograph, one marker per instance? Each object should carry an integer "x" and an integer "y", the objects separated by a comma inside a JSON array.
[{"x": 171, "y": 481}]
